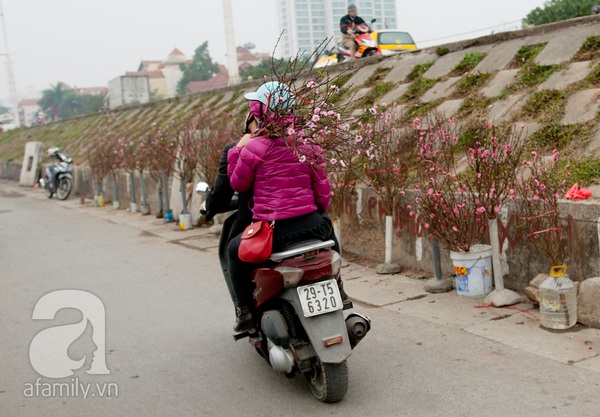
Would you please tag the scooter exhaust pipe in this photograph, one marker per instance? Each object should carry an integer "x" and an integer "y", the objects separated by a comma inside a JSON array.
[{"x": 358, "y": 326}]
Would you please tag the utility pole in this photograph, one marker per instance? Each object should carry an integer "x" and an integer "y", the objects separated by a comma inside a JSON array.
[
  {"x": 9, "y": 72},
  {"x": 232, "y": 62}
]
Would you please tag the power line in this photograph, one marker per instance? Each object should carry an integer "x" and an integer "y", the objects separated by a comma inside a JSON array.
[{"x": 468, "y": 33}]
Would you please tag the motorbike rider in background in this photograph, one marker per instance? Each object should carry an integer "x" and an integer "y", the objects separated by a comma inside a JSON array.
[{"x": 347, "y": 25}]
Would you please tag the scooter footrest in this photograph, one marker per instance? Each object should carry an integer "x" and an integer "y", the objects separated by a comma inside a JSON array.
[
  {"x": 244, "y": 334},
  {"x": 240, "y": 336},
  {"x": 348, "y": 305}
]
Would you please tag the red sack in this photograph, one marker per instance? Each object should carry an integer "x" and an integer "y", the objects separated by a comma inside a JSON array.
[
  {"x": 576, "y": 193},
  {"x": 257, "y": 242}
]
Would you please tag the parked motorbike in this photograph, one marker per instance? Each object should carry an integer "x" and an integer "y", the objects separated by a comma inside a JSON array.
[
  {"x": 366, "y": 46},
  {"x": 299, "y": 324},
  {"x": 59, "y": 176}
]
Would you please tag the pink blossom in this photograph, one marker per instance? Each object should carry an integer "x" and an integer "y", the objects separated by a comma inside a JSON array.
[{"x": 426, "y": 225}]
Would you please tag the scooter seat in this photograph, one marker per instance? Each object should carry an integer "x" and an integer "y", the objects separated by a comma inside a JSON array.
[{"x": 299, "y": 248}]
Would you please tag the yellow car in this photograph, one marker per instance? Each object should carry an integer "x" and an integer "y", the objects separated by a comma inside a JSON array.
[{"x": 392, "y": 41}]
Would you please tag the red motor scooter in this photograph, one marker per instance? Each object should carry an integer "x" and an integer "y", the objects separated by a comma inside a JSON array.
[
  {"x": 299, "y": 324},
  {"x": 365, "y": 44}
]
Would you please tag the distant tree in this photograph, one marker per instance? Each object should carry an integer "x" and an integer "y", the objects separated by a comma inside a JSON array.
[
  {"x": 272, "y": 66},
  {"x": 60, "y": 102},
  {"x": 52, "y": 99},
  {"x": 201, "y": 69},
  {"x": 91, "y": 103},
  {"x": 257, "y": 72},
  {"x": 556, "y": 10},
  {"x": 4, "y": 110}
]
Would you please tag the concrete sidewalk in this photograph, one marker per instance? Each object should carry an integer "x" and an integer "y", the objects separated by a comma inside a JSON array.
[{"x": 517, "y": 326}]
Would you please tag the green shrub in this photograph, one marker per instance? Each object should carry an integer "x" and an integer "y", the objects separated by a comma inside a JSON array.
[
  {"x": 418, "y": 110},
  {"x": 419, "y": 70},
  {"x": 590, "y": 50},
  {"x": 417, "y": 88},
  {"x": 470, "y": 61},
  {"x": 583, "y": 171},
  {"x": 557, "y": 136},
  {"x": 526, "y": 54},
  {"x": 470, "y": 83},
  {"x": 341, "y": 79},
  {"x": 594, "y": 77},
  {"x": 474, "y": 104},
  {"x": 441, "y": 51},
  {"x": 536, "y": 74},
  {"x": 377, "y": 92},
  {"x": 377, "y": 76},
  {"x": 544, "y": 106}
]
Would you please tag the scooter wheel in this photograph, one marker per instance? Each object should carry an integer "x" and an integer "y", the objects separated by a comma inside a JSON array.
[
  {"x": 49, "y": 192},
  {"x": 328, "y": 381},
  {"x": 65, "y": 185}
]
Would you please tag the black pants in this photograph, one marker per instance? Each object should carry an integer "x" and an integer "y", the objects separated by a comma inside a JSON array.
[{"x": 309, "y": 226}]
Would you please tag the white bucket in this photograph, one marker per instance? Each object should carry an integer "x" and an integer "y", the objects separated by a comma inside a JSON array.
[
  {"x": 185, "y": 221},
  {"x": 473, "y": 271},
  {"x": 133, "y": 207}
]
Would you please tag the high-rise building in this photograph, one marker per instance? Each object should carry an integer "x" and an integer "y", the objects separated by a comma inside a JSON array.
[{"x": 304, "y": 24}]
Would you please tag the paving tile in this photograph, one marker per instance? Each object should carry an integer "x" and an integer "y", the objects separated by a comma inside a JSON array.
[
  {"x": 582, "y": 106},
  {"x": 574, "y": 72}
]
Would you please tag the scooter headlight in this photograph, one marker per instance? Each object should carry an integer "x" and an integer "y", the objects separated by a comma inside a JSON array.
[{"x": 371, "y": 44}]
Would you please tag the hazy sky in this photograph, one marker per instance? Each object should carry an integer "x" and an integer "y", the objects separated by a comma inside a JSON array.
[{"x": 86, "y": 43}]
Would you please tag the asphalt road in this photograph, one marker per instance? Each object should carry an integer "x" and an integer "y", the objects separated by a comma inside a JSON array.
[{"x": 170, "y": 352}]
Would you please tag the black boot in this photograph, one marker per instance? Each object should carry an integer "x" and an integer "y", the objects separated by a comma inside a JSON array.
[
  {"x": 243, "y": 320},
  {"x": 346, "y": 302}
]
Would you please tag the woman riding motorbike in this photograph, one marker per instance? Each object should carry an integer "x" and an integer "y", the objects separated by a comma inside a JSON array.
[{"x": 289, "y": 183}]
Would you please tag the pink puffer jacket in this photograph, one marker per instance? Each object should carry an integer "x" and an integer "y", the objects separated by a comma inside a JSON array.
[{"x": 284, "y": 187}]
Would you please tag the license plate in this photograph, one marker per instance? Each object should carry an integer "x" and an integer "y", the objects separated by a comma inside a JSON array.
[{"x": 320, "y": 298}]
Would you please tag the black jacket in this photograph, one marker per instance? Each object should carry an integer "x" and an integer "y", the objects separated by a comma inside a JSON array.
[
  {"x": 220, "y": 194},
  {"x": 347, "y": 21}
]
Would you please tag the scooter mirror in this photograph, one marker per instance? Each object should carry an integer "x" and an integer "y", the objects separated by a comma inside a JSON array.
[
  {"x": 373, "y": 20},
  {"x": 202, "y": 187}
]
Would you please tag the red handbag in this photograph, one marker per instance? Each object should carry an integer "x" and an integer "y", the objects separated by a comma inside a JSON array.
[{"x": 257, "y": 242}]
